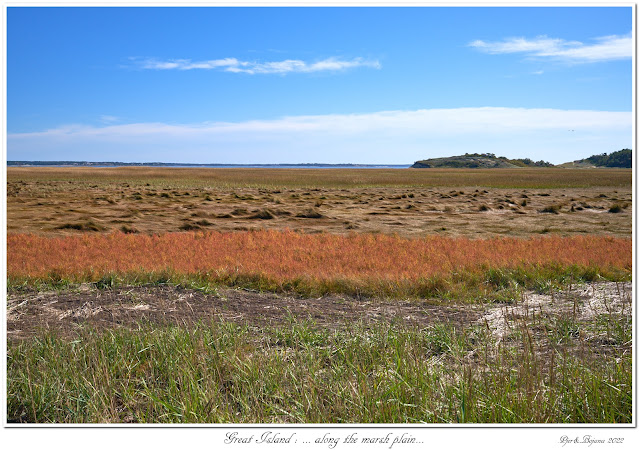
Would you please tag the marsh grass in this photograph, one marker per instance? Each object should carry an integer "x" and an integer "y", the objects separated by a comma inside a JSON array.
[
  {"x": 88, "y": 225},
  {"x": 128, "y": 229},
  {"x": 550, "y": 367},
  {"x": 501, "y": 285},
  {"x": 616, "y": 208},
  {"x": 552, "y": 209},
  {"x": 366, "y": 264},
  {"x": 178, "y": 178},
  {"x": 301, "y": 373}
]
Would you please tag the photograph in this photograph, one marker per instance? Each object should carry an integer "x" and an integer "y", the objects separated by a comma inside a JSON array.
[{"x": 321, "y": 215}]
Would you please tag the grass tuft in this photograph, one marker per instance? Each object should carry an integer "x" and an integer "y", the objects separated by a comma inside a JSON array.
[
  {"x": 189, "y": 227},
  {"x": 552, "y": 209},
  {"x": 128, "y": 230},
  {"x": 310, "y": 213},
  {"x": 616, "y": 208},
  {"x": 88, "y": 225},
  {"x": 263, "y": 214}
]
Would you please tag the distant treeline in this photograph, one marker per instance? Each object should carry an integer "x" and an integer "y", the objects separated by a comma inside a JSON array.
[
  {"x": 521, "y": 162},
  {"x": 478, "y": 161},
  {"x": 621, "y": 158}
]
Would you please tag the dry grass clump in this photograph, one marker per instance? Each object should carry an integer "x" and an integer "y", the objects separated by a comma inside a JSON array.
[
  {"x": 616, "y": 208},
  {"x": 188, "y": 226},
  {"x": 263, "y": 214},
  {"x": 552, "y": 209},
  {"x": 128, "y": 230},
  {"x": 239, "y": 212},
  {"x": 88, "y": 225},
  {"x": 310, "y": 213}
]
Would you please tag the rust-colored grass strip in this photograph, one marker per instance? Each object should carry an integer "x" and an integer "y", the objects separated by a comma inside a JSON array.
[{"x": 283, "y": 256}]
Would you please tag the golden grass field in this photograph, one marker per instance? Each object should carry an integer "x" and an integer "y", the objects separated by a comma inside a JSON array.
[{"x": 408, "y": 202}]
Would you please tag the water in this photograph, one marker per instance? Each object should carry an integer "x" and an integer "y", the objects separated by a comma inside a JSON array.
[{"x": 179, "y": 165}]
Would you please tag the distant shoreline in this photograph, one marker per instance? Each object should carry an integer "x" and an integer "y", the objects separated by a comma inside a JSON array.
[{"x": 183, "y": 165}]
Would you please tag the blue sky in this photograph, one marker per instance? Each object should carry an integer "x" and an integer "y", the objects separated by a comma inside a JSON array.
[{"x": 334, "y": 85}]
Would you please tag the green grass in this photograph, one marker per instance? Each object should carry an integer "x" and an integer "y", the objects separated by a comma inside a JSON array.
[
  {"x": 301, "y": 373},
  {"x": 485, "y": 285}
]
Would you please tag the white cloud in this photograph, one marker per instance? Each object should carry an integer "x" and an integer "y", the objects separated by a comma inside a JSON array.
[
  {"x": 185, "y": 64},
  {"x": 439, "y": 121},
  {"x": 384, "y": 137},
  {"x": 253, "y": 67},
  {"x": 606, "y": 48}
]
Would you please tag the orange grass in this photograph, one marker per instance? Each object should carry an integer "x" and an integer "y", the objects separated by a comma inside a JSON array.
[{"x": 286, "y": 256}]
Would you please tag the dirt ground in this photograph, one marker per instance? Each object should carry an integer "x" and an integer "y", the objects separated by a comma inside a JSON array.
[
  {"x": 67, "y": 312},
  {"x": 67, "y": 207}
]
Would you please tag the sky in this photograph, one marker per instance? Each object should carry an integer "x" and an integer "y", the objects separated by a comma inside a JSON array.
[{"x": 367, "y": 85}]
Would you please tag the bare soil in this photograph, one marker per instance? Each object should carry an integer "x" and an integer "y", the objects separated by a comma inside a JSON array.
[
  {"x": 581, "y": 303},
  {"x": 66, "y": 312}
]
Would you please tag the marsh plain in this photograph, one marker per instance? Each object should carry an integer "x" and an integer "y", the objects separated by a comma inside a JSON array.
[{"x": 319, "y": 295}]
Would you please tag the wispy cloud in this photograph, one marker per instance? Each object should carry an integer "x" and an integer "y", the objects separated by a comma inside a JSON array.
[
  {"x": 256, "y": 67},
  {"x": 109, "y": 119},
  {"x": 385, "y": 136},
  {"x": 606, "y": 48}
]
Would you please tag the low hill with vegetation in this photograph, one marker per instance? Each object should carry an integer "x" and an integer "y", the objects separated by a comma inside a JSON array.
[
  {"x": 478, "y": 161},
  {"x": 620, "y": 159}
]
